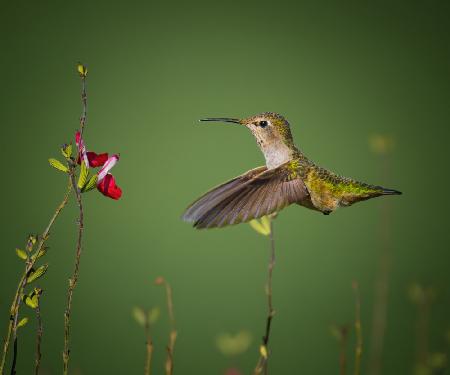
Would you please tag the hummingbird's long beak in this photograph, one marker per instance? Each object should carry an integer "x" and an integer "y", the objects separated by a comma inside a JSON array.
[{"x": 223, "y": 119}]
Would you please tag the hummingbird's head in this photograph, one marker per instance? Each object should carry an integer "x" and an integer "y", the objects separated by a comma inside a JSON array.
[
  {"x": 269, "y": 127},
  {"x": 272, "y": 133}
]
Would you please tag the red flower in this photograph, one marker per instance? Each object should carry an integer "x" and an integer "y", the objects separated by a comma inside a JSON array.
[
  {"x": 91, "y": 159},
  {"x": 106, "y": 183},
  {"x": 96, "y": 160}
]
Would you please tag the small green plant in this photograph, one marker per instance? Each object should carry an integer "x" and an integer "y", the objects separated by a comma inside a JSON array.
[
  {"x": 146, "y": 318},
  {"x": 81, "y": 178}
]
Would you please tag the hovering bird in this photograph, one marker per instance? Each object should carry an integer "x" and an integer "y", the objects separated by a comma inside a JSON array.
[{"x": 288, "y": 177}]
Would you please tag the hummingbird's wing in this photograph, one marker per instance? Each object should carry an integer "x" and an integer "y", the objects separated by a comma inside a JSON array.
[
  {"x": 257, "y": 193},
  {"x": 214, "y": 196}
]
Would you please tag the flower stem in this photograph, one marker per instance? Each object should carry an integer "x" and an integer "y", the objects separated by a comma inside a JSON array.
[
  {"x": 74, "y": 279},
  {"x": 14, "y": 311}
]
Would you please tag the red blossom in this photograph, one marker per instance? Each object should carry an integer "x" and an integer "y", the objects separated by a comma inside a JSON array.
[
  {"x": 107, "y": 186},
  {"x": 95, "y": 160},
  {"x": 106, "y": 183}
]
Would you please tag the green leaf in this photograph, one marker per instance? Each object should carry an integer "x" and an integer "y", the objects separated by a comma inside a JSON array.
[
  {"x": 66, "y": 151},
  {"x": 91, "y": 184},
  {"x": 263, "y": 351},
  {"x": 22, "y": 322},
  {"x": 82, "y": 70},
  {"x": 58, "y": 165},
  {"x": 153, "y": 315},
  {"x": 37, "y": 274},
  {"x": 41, "y": 253},
  {"x": 262, "y": 226},
  {"x": 83, "y": 175},
  {"x": 32, "y": 302},
  {"x": 21, "y": 254},
  {"x": 139, "y": 315},
  {"x": 232, "y": 345}
]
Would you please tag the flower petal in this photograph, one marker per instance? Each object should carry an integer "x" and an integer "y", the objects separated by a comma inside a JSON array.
[
  {"x": 81, "y": 148},
  {"x": 107, "y": 186},
  {"x": 97, "y": 160},
  {"x": 111, "y": 162}
]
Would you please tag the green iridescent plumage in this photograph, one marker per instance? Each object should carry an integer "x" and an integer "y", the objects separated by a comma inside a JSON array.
[{"x": 288, "y": 177}]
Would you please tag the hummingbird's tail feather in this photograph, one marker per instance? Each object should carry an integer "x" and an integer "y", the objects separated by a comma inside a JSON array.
[{"x": 255, "y": 194}]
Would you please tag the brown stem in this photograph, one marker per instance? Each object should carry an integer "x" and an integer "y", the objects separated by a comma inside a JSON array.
[
  {"x": 83, "y": 117},
  {"x": 358, "y": 330},
  {"x": 149, "y": 349},
  {"x": 173, "y": 332},
  {"x": 14, "y": 311},
  {"x": 39, "y": 334},
  {"x": 74, "y": 279},
  {"x": 262, "y": 364},
  {"x": 343, "y": 350},
  {"x": 14, "y": 362}
]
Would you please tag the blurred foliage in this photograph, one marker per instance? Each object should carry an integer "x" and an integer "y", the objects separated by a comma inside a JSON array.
[{"x": 234, "y": 344}]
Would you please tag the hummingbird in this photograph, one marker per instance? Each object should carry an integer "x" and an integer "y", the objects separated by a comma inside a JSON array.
[{"x": 288, "y": 177}]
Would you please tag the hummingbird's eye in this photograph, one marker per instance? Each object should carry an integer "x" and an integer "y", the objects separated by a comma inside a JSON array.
[{"x": 263, "y": 123}]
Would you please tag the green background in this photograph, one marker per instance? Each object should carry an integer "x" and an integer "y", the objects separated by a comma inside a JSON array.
[{"x": 339, "y": 71}]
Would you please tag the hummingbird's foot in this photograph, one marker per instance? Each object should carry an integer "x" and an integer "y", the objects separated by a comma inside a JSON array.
[{"x": 327, "y": 212}]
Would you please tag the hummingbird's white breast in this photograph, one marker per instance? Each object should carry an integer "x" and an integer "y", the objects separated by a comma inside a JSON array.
[
  {"x": 276, "y": 154},
  {"x": 275, "y": 151}
]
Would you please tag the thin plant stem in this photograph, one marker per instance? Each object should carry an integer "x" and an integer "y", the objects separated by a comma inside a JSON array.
[
  {"x": 74, "y": 279},
  {"x": 40, "y": 331},
  {"x": 358, "y": 330},
  {"x": 14, "y": 311},
  {"x": 149, "y": 348},
  {"x": 173, "y": 332},
  {"x": 83, "y": 118},
  {"x": 262, "y": 364},
  {"x": 14, "y": 362},
  {"x": 343, "y": 350}
]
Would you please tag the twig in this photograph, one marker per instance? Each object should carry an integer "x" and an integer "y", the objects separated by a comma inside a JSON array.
[
  {"x": 148, "y": 347},
  {"x": 83, "y": 117},
  {"x": 14, "y": 362},
  {"x": 358, "y": 330},
  {"x": 262, "y": 364},
  {"x": 343, "y": 340},
  {"x": 73, "y": 280},
  {"x": 40, "y": 331},
  {"x": 12, "y": 328},
  {"x": 173, "y": 331}
]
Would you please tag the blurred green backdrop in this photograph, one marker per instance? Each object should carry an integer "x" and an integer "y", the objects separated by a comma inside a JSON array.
[{"x": 339, "y": 71}]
